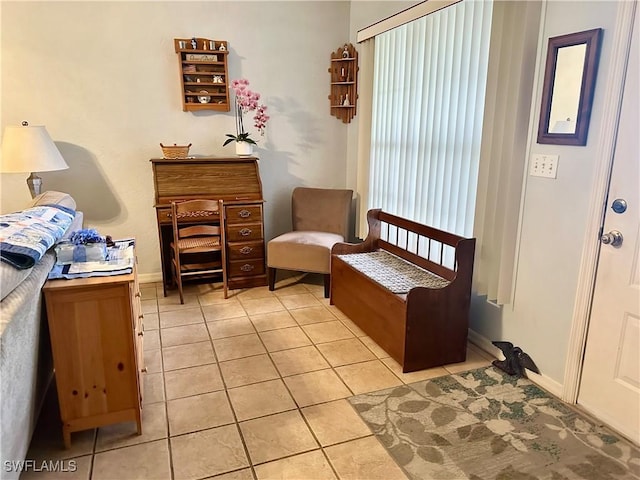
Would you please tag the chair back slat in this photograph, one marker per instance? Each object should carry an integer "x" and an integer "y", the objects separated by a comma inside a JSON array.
[{"x": 198, "y": 246}]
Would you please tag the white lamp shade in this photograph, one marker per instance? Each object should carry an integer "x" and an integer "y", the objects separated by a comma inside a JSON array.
[{"x": 30, "y": 149}]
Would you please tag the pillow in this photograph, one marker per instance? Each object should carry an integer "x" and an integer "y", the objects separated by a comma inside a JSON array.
[{"x": 51, "y": 197}]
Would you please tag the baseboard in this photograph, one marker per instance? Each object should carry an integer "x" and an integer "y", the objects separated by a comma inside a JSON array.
[
  {"x": 150, "y": 277},
  {"x": 542, "y": 381}
]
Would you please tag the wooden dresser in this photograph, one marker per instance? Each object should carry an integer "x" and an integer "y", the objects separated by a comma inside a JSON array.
[
  {"x": 96, "y": 328},
  {"x": 236, "y": 180}
]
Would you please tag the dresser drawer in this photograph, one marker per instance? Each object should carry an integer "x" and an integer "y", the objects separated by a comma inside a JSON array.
[
  {"x": 248, "y": 267},
  {"x": 246, "y": 251},
  {"x": 244, "y": 232},
  {"x": 243, "y": 213}
]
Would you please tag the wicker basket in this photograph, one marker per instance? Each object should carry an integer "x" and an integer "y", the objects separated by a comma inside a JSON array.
[{"x": 175, "y": 151}]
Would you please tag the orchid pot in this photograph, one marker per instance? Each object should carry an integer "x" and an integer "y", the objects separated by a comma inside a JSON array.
[
  {"x": 246, "y": 101},
  {"x": 244, "y": 149}
]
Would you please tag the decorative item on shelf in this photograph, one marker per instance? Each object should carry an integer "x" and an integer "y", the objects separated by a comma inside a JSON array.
[
  {"x": 212, "y": 45},
  {"x": 201, "y": 57},
  {"x": 217, "y": 79},
  {"x": 194, "y": 43},
  {"x": 205, "y": 98},
  {"x": 175, "y": 151},
  {"x": 343, "y": 94},
  {"x": 222, "y": 47},
  {"x": 246, "y": 101}
]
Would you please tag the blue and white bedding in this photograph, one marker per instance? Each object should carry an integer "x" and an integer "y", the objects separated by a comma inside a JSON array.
[{"x": 25, "y": 236}]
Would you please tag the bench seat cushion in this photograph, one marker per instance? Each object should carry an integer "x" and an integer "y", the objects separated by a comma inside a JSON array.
[{"x": 392, "y": 272}]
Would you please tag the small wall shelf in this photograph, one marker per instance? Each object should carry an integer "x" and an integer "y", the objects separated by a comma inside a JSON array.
[
  {"x": 204, "y": 81},
  {"x": 344, "y": 83}
]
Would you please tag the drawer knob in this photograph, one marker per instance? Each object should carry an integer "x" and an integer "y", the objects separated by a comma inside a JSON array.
[
  {"x": 138, "y": 294},
  {"x": 244, "y": 213},
  {"x": 143, "y": 370},
  {"x": 245, "y": 232},
  {"x": 246, "y": 250},
  {"x": 141, "y": 334},
  {"x": 141, "y": 316},
  {"x": 246, "y": 267}
]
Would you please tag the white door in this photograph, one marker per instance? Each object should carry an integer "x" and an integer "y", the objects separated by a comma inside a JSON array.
[{"x": 610, "y": 384}]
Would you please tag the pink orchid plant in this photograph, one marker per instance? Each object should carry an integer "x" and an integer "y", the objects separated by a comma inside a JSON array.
[{"x": 246, "y": 101}]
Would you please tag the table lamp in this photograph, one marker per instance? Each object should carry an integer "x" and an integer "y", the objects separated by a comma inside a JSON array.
[{"x": 30, "y": 149}]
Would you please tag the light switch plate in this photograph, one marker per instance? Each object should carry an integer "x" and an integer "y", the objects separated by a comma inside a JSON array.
[{"x": 543, "y": 166}]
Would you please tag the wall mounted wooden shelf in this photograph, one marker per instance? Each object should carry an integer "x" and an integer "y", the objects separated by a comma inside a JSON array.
[
  {"x": 344, "y": 83},
  {"x": 204, "y": 82}
]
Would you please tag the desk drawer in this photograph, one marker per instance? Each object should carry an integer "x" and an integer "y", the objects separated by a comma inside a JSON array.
[
  {"x": 243, "y": 213},
  {"x": 246, "y": 268},
  {"x": 246, "y": 250},
  {"x": 164, "y": 217},
  {"x": 244, "y": 232}
]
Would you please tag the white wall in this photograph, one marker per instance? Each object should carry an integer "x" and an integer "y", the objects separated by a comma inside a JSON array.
[
  {"x": 554, "y": 218},
  {"x": 103, "y": 78}
]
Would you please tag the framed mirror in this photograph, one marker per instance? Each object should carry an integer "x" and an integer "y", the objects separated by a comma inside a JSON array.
[{"x": 569, "y": 83}]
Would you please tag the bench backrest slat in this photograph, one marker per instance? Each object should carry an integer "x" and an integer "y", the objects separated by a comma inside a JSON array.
[
  {"x": 434, "y": 267},
  {"x": 420, "y": 229}
]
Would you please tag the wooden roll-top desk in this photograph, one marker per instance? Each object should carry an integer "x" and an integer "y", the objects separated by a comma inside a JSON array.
[{"x": 236, "y": 180}]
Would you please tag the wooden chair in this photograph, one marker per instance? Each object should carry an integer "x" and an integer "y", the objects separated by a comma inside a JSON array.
[
  {"x": 320, "y": 219},
  {"x": 198, "y": 246}
]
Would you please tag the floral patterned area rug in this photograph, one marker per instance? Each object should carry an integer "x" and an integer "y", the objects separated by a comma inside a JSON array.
[{"x": 483, "y": 424}]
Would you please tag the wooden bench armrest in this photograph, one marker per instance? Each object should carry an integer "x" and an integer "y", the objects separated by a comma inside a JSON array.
[
  {"x": 345, "y": 248},
  {"x": 370, "y": 243}
]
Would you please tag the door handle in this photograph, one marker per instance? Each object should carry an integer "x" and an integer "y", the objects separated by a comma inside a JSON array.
[{"x": 613, "y": 238}]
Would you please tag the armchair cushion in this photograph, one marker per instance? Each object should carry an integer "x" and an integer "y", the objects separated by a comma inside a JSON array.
[{"x": 306, "y": 251}]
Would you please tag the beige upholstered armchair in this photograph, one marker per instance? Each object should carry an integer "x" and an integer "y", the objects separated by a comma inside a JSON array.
[{"x": 320, "y": 219}]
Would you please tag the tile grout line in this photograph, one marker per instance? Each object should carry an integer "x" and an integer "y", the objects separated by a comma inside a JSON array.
[
  {"x": 166, "y": 398},
  {"x": 233, "y": 412},
  {"x": 298, "y": 406},
  {"x": 226, "y": 388}
]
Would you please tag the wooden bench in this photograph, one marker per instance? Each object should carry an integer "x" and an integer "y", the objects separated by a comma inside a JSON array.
[{"x": 408, "y": 286}]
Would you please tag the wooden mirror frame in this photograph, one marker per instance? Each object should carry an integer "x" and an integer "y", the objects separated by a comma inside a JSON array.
[{"x": 592, "y": 39}]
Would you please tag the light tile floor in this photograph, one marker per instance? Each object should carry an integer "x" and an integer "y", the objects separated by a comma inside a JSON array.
[{"x": 251, "y": 387}]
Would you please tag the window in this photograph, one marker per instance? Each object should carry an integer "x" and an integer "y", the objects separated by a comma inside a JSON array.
[{"x": 429, "y": 82}]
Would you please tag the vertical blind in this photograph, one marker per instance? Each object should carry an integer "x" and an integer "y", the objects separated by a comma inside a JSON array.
[
  {"x": 510, "y": 83},
  {"x": 429, "y": 83}
]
